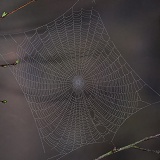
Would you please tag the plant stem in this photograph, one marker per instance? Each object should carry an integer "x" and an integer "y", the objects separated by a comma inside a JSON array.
[
  {"x": 12, "y": 64},
  {"x": 133, "y": 145},
  {"x": 17, "y": 9}
]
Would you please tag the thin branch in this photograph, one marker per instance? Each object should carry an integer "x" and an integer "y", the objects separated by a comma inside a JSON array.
[
  {"x": 3, "y": 101},
  {"x": 12, "y": 64},
  {"x": 147, "y": 150},
  {"x": 6, "y": 14},
  {"x": 131, "y": 146}
]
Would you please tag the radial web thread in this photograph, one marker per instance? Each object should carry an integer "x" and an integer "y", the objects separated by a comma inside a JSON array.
[{"x": 78, "y": 86}]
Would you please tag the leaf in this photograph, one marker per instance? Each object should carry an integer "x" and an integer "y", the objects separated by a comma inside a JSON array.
[
  {"x": 4, "y": 14},
  {"x": 17, "y": 61},
  {"x": 4, "y": 101}
]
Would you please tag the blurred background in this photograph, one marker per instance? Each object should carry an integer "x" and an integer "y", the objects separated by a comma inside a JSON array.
[{"x": 134, "y": 27}]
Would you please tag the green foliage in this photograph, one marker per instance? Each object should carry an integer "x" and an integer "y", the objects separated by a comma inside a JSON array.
[
  {"x": 4, "y": 14},
  {"x": 4, "y": 101},
  {"x": 17, "y": 61}
]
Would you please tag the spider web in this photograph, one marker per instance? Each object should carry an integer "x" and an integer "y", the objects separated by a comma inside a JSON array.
[{"x": 78, "y": 86}]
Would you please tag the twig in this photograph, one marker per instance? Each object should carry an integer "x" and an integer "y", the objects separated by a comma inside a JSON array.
[
  {"x": 6, "y": 14},
  {"x": 12, "y": 64},
  {"x": 3, "y": 101},
  {"x": 147, "y": 150},
  {"x": 133, "y": 145}
]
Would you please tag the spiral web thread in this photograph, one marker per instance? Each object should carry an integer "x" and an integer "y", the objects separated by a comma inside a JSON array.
[{"x": 78, "y": 86}]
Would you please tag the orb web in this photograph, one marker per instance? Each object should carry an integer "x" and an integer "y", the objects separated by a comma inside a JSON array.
[
  {"x": 78, "y": 86},
  {"x": 78, "y": 83}
]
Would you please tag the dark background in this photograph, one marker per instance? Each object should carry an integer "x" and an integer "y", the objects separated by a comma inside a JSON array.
[{"x": 134, "y": 27}]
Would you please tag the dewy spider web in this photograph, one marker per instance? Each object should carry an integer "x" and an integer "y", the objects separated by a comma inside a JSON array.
[{"x": 78, "y": 86}]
